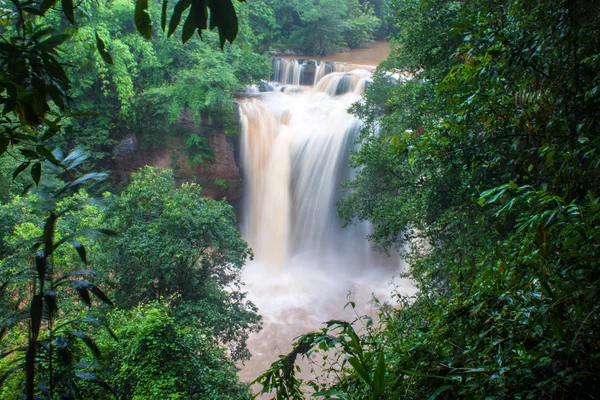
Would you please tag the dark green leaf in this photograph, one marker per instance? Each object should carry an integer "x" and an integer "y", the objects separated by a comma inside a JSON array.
[
  {"x": 102, "y": 50},
  {"x": 32, "y": 155},
  {"x": 37, "y": 305},
  {"x": 4, "y": 142},
  {"x": 163, "y": 16},
  {"x": 360, "y": 370},
  {"x": 45, "y": 5},
  {"x": 87, "y": 321},
  {"x": 88, "y": 376},
  {"x": 189, "y": 27},
  {"x": 80, "y": 249},
  {"x": 36, "y": 172},
  {"x": 44, "y": 152},
  {"x": 100, "y": 294},
  {"x": 20, "y": 169},
  {"x": 49, "y": 235},
  {"x": 180, "y": 7},
  {"x": 439, "y": 391},
  {"x": 54, "y": 41},
  {"x": 223, "y": 17},
  {"x": 142, "y": 19},
  {"x": 82, "y": 288},
  {"x": 51, "y": 303},
  {"x": 89, "y": 342},
  {"x": 67, "y": 6},
  {"x": 379, "y": 376},
  {"x": 40, "y": 263}
]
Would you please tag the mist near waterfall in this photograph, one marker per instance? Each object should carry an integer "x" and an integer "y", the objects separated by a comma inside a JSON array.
[{"x": 295, "y": 142}]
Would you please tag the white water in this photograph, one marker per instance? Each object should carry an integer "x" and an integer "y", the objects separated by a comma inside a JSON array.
[{"x": 295, "y": 148}]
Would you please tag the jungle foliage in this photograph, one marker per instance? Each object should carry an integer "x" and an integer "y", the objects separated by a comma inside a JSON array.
[
  {"x": 309, "y": 27},
  {"x": 82, "y": 74},
  {"x": 173, "y": 273},
  {"x": 479, "y": 160}
]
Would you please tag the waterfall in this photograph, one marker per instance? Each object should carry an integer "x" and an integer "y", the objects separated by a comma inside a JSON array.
[
  {"x": 295, "y": 156},
  {"x": 295, "y": 145},
  {"x": 307, "y": 72}
]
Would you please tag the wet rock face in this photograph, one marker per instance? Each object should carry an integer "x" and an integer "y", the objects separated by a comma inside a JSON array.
[{"x": 221, "y": 178}]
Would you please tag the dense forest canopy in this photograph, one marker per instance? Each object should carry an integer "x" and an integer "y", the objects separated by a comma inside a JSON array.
[{"x": 478, "y": 160}]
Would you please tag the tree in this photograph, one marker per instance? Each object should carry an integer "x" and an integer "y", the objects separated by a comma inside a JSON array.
[
  {"x": 175, "y": 244},
  {"x": 159, "y": 357}
]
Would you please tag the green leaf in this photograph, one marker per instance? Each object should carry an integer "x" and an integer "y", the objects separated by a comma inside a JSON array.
[
  {"x": 360, "y": 370},
  {"x": 51, "y": 303},
  {"x": 20, "y": 169},
  {"x": 189, "y": 27},
  {"x": 333, "y": 392},
  {"x": 439, "y": 391},
  {"x": 54, "y": 41},
  {"x": 142, "y": 19},
  {"x": 37, "y": 306},
  {"x": 80, "y": 249},
  {"x": 378, "y": 378},
  {"x": 424, "y": 375},
  {"x": 44, "y": 152},
  {"x": 36, "y": 172},
  {"x": 45, "y": 5},
  {"x": 89, "y": 342},
  {"x": 556, "y": 327},
  {"x": 88, "y": 376},
  {"x": 67, "y": 6},
  {"x": 4, "y": 142},
  {"x": 82, "y": 288},
  {"x": 163, "y": 15},
  {"x": 180, "y": 7},
  {"x": 49, "y": 235},
  {"x": 102, "y": 50},
  {"x": 32, "y": 155},
  {"x": 223, "y": 17},
  {"x": 94, "y": 321}
]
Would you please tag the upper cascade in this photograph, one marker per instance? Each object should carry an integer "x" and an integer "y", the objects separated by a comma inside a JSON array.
[{"x": 333, "y": 78}]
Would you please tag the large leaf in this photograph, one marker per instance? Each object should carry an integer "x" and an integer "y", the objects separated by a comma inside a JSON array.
[
  {"x": 163, "y": 15},
  {"x": 89, "y": 342},
  {"x": 379, "y": 376},
  {"x": 361, "y": 370},
  {"x": 20, "y": 169},
  {"x": 37, "y": 305},
  {"x": 78, "y": 246},
  {"x": 102, "y": 50},
  {"x": 223, "y": 17},
  {"x": 180, "y": 7},
  {"x": 90, "y": 377},
  {"x": 68, "y": 10},
  {"x": 36, "y": 172},
  {"x": 84, "y": 287},
  {"x": 142, "y": 19},
  {"x": 439, "y": 391},
  {"x": 86, "y": 320}
]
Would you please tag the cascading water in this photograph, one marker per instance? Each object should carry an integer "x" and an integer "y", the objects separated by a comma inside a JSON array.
[{"x": 295, "y": 148}]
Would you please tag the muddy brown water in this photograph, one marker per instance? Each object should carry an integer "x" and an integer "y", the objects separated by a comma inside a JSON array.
[{"x": 372, "y": 54}]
